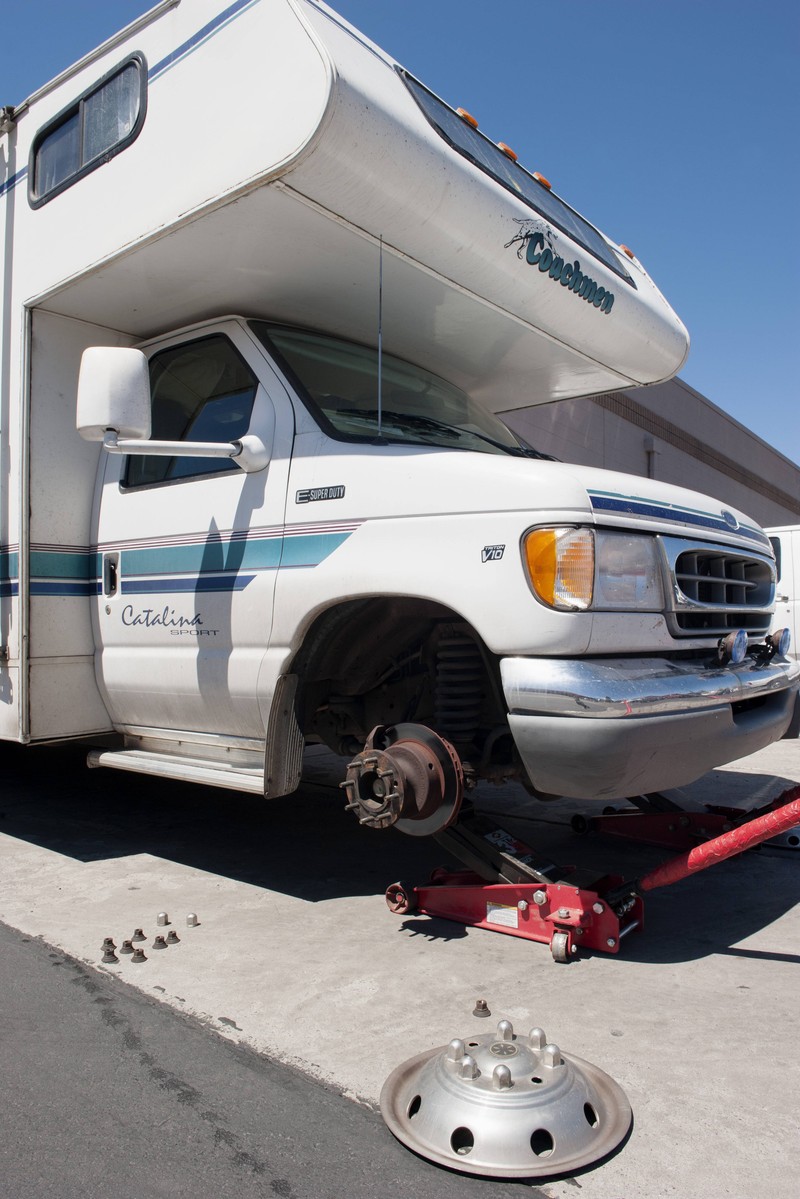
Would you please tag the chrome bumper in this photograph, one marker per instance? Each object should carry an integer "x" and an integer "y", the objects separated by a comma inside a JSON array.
[
  {"x": 610, "y": 688},
  {"x": 606, "y": 728}
]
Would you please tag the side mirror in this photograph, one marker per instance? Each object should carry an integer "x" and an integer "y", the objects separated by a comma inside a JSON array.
[{"x": 113, "y": 394}]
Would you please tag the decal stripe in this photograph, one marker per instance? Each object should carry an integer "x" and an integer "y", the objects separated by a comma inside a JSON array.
[
  {"x": 159, "y": 566},
  {"x": 606, "y": 501},
  {"x": 196, "y": 40},
  {"x": 196, "y": 583}
]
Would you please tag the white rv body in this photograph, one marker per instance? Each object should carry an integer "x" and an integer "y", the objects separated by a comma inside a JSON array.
[{"x": 277, "y": 165}]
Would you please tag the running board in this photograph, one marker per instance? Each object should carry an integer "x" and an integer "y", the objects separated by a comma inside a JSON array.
[{"x": 189, "y": 770}]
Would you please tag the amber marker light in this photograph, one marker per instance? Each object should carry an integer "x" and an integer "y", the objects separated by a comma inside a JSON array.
[
  {"x": 627, "y": 250},
  {"x": 544, "y": 182},
  {"x": 468, "y": 117},
  {"x": 509, "y": 153},
  {"x": 560, "y": 564}
]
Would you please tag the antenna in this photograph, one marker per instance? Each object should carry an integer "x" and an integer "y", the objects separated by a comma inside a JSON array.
[{"x": 380, "y": 339}]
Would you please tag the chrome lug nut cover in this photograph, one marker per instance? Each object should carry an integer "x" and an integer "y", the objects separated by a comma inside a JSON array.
[{"x": 505, "y": 1106}]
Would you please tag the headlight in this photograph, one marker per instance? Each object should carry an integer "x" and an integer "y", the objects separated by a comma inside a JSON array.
[
  {"x": 577, "y": 569},
  {"x": 628, "y": 574}
]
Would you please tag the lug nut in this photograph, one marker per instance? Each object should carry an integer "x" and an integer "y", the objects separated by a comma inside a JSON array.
[
  {"x": 109, "y": 956},
  {"x": 172, "y": 937},
  {"x": 468, "y": 1067},
  {"x": 138, "y": 935},
  {"x": 159, "y": 943},
  {"x": 108, "y": 943},
  {"x": 162, "y": 919},
  {"x": 127, "y": 947},
  {"x": 481, "y": 1008},
  {"x": 537, "y": 1038},
  {"x": 551, "y": 1056},
  {"x": 191, "y": 920},
  {"x": 505, "y": 1030},
  {"x": 456, "y": 1050},
  {"x": 139, "y": 955},
  {"x": 501, "y": 1078}
]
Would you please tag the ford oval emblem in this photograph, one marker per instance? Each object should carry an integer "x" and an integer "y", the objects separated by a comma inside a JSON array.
[{"x": 730, "y": 519}]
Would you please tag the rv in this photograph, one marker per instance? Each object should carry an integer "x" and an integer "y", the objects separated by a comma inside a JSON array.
[
  {"x": 786, "y": 544},
  {"x": 264, "y": 296}
]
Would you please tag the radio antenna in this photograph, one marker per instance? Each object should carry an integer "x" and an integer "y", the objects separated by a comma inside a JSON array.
[{"x": 380, "y": 339}]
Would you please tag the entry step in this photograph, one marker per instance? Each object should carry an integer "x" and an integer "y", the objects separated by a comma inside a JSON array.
[{"x": 190, "y": 770}]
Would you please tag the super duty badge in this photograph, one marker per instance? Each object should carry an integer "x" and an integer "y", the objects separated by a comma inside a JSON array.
[{"x": 309, "y": 494}]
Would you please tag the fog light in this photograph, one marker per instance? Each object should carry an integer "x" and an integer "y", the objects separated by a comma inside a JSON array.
[
  {"x": 779, "y": 641},
  {"x": 733, "y": 647}
]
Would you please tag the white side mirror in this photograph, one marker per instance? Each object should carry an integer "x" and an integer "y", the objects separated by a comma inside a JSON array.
[{"x": 113, "y": 393}]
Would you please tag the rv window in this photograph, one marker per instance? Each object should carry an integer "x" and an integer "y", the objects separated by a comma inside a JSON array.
[
  {"x": 490, "y": 158},
  {"x": 338, "y": 380},
  {"x": 200, "y": 391},
  {"x": 101, "y": 122}
]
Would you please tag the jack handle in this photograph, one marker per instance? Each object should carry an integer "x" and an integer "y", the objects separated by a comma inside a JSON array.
[{"x": 728, "y": 845}]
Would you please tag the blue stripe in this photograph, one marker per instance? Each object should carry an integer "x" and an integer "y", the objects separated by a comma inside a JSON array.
[
  {"x": 204, "y": 583},
  {"x": 13, "y": 181},
  {"x": 187, "y": 47},
  {"x": 9, "y": 587},
  {"x": 630, "y": 506},
  {"x": 50, "y": 587}
]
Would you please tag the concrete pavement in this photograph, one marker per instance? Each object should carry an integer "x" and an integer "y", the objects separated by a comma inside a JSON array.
[{"x": 297, "y": 956}]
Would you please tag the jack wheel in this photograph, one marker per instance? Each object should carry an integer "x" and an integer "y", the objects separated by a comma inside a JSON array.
[
  {"x": 561, "y": 948},
  {"x": 400, "y": 899}
]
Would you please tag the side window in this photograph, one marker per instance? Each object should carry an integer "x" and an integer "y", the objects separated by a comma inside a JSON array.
[
  {"x": 100, "y": 123},
  {"x": 200, "y": 391}
]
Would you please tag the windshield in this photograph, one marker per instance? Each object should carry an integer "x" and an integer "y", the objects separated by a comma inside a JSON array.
[{"x": 339, "y": 382}]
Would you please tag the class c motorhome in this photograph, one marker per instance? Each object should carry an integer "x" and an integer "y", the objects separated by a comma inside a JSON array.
[{"x": 264, "y": 293}]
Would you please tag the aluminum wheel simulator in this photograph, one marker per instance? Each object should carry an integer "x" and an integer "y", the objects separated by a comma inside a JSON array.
[{"x": 506, "y": 1106}]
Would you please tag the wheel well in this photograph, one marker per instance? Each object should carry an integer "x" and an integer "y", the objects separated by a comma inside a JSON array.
[{"x": 389, "y": 659}]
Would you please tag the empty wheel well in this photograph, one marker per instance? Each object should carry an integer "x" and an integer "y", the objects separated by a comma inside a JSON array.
[{"x": 390, "y": 659}]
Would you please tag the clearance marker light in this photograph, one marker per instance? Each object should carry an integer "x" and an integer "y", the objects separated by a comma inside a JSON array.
[
  {"x": 544, "y": 182},
  {"x": 468, "y": 117},
  {"x": 507, "y": 151},
  {"x": 627, "y": 250}
]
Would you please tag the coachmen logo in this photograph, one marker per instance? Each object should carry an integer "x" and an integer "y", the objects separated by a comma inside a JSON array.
[{"x": 568, "y": 274}]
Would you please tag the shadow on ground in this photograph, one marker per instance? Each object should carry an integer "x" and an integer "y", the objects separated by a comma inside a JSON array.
[{"x": 305, "y": 845}]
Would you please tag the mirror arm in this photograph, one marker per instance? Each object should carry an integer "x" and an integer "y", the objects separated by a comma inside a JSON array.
[{"x": 249, "y": 452}]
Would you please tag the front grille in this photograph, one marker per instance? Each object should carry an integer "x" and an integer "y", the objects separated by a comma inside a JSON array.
[{"x": 717, "y": 589}]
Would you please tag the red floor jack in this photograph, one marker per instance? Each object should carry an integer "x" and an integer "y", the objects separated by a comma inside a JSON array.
[{"x": 568, "y": 909}]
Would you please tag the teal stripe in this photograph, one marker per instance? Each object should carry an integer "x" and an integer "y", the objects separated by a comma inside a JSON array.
[
  {"x": 311, "y": 549},
  {"x": 53, "y": 564},
  {"x": 202, "y": 559},
  {"x": 9, "y": 564}
]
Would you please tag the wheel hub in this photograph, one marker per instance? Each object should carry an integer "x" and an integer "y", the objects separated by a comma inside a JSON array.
[{"x": 408, "y": 776}]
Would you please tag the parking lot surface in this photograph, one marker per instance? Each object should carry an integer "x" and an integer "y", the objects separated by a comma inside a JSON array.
[{"x": 297, "y": 956}]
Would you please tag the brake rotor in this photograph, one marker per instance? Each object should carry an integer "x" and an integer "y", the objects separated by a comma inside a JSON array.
[
  {"x": 407, "y": 776},
  {"x": 505, "y": 1106}
]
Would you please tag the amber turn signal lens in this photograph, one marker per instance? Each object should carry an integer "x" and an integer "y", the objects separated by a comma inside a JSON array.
[{"x": 560, "y": 566}]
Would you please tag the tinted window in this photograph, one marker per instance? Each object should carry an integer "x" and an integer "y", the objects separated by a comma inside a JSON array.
[
  {"x": 200, "y": 391},
  {"x": 101, "y": 122},
  {"x": 490, "y": 158},
  {"x": 339, "y": 382}
]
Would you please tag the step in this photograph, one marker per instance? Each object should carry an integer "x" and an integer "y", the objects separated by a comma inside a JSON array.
[{"x": 187, "y": 769}]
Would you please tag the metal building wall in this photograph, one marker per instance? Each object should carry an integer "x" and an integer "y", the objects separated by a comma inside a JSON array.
[{"x": 669, "y": 431}]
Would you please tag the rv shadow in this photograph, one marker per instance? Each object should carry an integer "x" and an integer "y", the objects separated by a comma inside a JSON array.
[{"x": 307, "y": 846}]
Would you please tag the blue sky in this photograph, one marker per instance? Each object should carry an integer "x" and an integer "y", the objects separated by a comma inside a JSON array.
[{"x": 673, "y": 125}]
